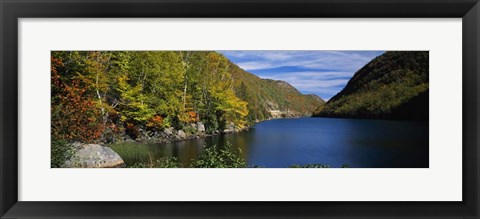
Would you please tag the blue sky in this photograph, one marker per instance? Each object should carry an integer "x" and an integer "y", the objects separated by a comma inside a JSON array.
[{"x": 324, "y": 73}]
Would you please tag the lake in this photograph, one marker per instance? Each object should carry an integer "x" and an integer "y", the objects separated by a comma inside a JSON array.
[{"x": 358, "y": 143}]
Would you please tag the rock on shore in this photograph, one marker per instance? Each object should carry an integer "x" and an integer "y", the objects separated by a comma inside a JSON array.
[
  {"x": 94, "y": 156},
  {"x": 191, "y": 131}
]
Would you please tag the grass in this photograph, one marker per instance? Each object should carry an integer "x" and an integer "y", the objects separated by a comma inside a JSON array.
[
  {"x": 138, "y": 155},
  {"x": 163, "y": 162},
  {"x": 134, "y": 153}
]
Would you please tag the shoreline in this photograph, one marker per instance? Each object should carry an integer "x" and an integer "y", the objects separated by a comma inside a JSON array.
[
  {"x": 371, "y": 119},
  {"x": 175, "y": 137},
  {"x": 198, "y": 135}
]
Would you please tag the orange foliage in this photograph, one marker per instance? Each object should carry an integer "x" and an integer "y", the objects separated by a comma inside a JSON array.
[
  {"x": 74, "y": 114},
  {"x": 193, "y": 116},
  {"x": 155, "y": 122}
]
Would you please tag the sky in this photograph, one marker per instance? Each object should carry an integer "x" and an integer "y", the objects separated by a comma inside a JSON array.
[{"x": 324, "y": 73}]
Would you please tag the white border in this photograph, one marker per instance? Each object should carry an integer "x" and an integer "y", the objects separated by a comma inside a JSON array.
[{"x": 441, "y": 182}]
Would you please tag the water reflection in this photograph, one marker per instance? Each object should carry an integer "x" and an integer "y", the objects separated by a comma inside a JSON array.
[{"x": 283, "y": 142}]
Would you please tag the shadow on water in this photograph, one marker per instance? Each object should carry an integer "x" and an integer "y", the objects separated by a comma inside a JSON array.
[{"x": 331, "y": 141}]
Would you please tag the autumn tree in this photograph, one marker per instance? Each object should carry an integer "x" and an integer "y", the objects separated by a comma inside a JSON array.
[
  {"x": 74, "y": 111},
  {"x": 99, "y": 92}
]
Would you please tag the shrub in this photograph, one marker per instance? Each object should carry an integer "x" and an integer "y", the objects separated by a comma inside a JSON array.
[
  {"x": 216, "y": 157},
  {"x": 61, "y": 151},
  {"x": 316, "y": 166},
  {"x": 189, "y": 129},
  {"x": 309, "y": 166},
  {"x": 167, "y": 162}
]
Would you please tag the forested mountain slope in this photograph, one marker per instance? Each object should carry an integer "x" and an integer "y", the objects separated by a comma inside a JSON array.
[
  {"x": 393, "y": 85},
  {"x": 271, "y": 98},
  {"x": 96, "y": 94}
]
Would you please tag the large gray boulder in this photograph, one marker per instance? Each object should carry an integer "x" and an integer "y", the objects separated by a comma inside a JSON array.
[{"x": 94, "y": 156}]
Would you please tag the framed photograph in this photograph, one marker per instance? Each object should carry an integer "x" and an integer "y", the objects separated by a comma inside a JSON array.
[{"x": 255, "y": 109}]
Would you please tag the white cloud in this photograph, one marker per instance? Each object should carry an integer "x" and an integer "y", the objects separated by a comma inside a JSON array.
[
  {"x": 315, "y": 75},
  {"x": 249, "y": 66},
  {"x": 338, "y": 60},
  {"x": 313, "y": 82},
  {"x": 319, "y": 72}
]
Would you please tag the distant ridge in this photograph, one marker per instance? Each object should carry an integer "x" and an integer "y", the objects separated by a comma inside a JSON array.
[
  {"x": 269, "y": 98},
  {"x": 392, "y": 86}
]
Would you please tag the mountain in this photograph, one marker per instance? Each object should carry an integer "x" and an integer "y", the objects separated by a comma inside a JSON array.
[
  {"x": 316, "y": 98},
  {"x": 415, "y": 108},
  {"x": 394, "y": 85},
  {"x": 269, "y": 98}
]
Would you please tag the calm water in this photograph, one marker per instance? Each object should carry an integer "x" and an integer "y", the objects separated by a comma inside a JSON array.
[{"x": 356, "y": 142}]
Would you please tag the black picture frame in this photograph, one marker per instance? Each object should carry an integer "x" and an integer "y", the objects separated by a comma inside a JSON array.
[{"x": 12, "y": 10}]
